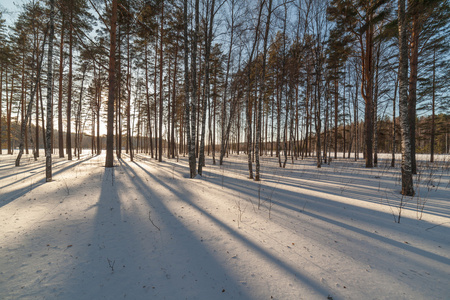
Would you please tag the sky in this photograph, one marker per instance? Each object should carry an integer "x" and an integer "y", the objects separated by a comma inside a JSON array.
[{"x": 10, "y": 10}]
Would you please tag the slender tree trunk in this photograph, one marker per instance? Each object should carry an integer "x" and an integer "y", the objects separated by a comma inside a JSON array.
[
  {"x": 262, "y": 94},
  {"x": 407, "y": 180},
  {"x": 22, "y": 102},
  {"x": 161, "y": 61},
  {"x": 42, "y": 118},
  {"x": 23, "y": 126},
  {"x": 1, "y": 115},
  {"x": 433, "y": 105},
  {"x": 69, "y": 93},
  {"x": 111, "y": 89},
  {"x": 60, "y": 92},
  {"x": 224, "y": 133},
  {"x": 248, "y": 104},
  {"x": 336, "y": 111},
  {"x": 188, "y": 106},
  {"x": 155, "y": 78},
  {"x": 129, "y": 129},
  {"x": 412, "y": 96},
  {"x": 206, "y": 100},
  {"x": 147, "y": 96},
  {"x": 367, "y": 91},
  {"x": 118, "y": 97},
  {"x": 174, "y": 99},
  {"x": 48, "y": 149},
  {"x": 9, "y": 111},
  {"x": 99, "y": 103},
  {"x": 375, "y": 110},
  {"x": 393, "y": 123},
  {"x": 36, "y": 151},
  {"x": 343, "y": 119}
]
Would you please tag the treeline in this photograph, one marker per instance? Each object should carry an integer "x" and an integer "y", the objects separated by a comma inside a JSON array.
[{"x": 193, "y": 76}]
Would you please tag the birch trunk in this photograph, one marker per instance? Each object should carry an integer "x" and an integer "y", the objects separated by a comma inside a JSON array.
[
  {"x": 407, "y": 180},
  {"x": 48, "y": 150}
]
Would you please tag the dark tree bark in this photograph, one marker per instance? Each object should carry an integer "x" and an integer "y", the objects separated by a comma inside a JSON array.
[
  {"x": 161, "y": 83},
  {"x": 407, "y": 180},
  {"x": 112, "y": 88},
  {"x": 48, "y": 150}
]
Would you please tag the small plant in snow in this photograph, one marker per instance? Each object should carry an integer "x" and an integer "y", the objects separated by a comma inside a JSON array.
[
  {"x": 240, "y": 211},
  {"x": 111, "y": 264}
]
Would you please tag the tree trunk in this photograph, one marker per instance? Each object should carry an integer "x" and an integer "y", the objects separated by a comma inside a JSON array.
[
  {"x": 60, "y": 92},
  {"x": 111, "y": 89},
  {"x": 367, "y": 92},
  {"x": 336, "y": 111},
  {"x": 225, "y": 134},
  {"x": 69, "y": 93},
  {"x": 48, "y": 149},
  {"x": 262, "y": 93},
  {"x": 412, "y": 96},
  {"x": 201, "y": 160},
  {"x": 407, "y": 180},
  {"x": 393, "y": 123},
  {"x": 1, "y": 93},
  {"x": 23, "y": 126},
  {"x": 174, "y": 99},
  {"x": 433, "y": 104},
  {"x": 129, "y": 129},
  {"x": 161, "y": 61},
  {"x": 147, "y": 97}
]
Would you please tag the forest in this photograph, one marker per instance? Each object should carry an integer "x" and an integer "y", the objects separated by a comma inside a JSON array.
[
  {"x": 292, "y": 78},
  {"x": 224, "y": 149}
]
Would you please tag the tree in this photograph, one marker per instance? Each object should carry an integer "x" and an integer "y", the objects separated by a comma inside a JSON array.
[
  {"x": 34, "y": 86},
  {"x": 208, "y": 41},
  {"x": 60, "y": 80},
  {"x": 49, "y": 131},
  {"x": 407, "y": 180},
  {"x": 262, "y": 92},
  {"x": 358, "y": 19},
  {"x": 109, "y": 163},
  {"x": 3, "y": 59},
  {"x": 429, "y": 42},
  {"x": 190, "y": 113}
]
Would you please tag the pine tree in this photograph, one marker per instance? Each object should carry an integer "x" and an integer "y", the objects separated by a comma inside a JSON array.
[
  {"x": 358, "y": 19},
  {"x": 109, "y": 163}
]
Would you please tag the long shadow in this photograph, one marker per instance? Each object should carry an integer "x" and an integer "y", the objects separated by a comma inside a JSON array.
[
  {"x": 371, "y": 193},
  {"x": 309, "y": 281},
  {"x": 6, "y": 198},
  {"x": 97, "y": 259},
  {"x": 196, "y": 258},
  {"x": 142, "y": 268},
  {"x": 400, "y": 245},
  {"x": 368, "y": 216}
]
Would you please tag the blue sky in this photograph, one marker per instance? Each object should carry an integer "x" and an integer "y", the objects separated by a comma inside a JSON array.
[{"x": 10, "y": 9}]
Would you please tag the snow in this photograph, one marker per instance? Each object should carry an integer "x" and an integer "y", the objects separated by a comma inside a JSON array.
[{"x": 144, "y": 230}]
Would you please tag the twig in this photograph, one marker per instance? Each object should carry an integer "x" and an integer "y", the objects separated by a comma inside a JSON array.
[
  {"x": 149, "y": 217},
  {"x": 111, "y": 264},
  {"x": 436, "y": 226}
]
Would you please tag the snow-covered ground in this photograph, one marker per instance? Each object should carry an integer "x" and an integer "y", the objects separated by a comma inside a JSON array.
[{"x": 143, "y": 230}]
